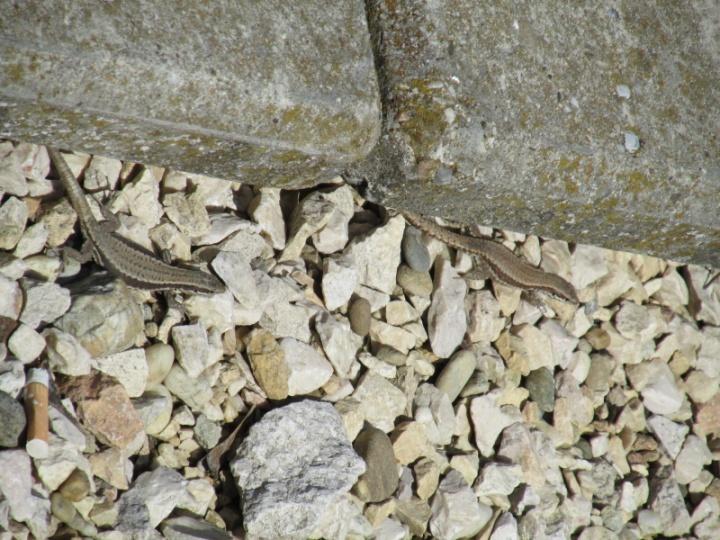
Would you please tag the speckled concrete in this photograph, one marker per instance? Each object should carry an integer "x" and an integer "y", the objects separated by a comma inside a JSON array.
[
  {"x": 264, "y": 92},
  {"x": 597, "y": 124}
]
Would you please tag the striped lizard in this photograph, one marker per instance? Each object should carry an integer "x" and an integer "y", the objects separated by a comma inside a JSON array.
[
  {"x": 133, "y": 264},
  {"x": 502, "y": 263}
]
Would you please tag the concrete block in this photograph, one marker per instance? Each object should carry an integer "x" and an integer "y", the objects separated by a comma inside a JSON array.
[
  {"x": 597, "y": 123},
  {"x": 264, "y": 92}
]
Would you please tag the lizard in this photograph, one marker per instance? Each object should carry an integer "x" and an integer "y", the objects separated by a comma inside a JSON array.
[
  {"x": 131, "y": 263},
  {"x": 503, "y": 264}
]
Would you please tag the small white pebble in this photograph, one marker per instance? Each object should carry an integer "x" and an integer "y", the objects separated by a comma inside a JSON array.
[
  {"x": 632, "y": 142},
  {"x": 623, "y": 91}
]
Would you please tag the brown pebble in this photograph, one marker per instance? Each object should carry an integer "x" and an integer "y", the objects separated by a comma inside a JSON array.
[
  {"x": 360, "y": 316},
  {"x": 76, "y": 487}
]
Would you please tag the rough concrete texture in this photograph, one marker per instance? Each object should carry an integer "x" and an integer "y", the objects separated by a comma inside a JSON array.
[
  {"x": 255, "y": 91},
  {"x": 596, "y": 122}
]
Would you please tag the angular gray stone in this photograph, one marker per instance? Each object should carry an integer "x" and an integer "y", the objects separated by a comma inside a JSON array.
[
  {"x": 279, "y": 99},
  {"x": 151, "y": 498},
  {"x": 312, "y": 466},
  {"x": 13, "y": 420},
  {"x": 456, "y": 512}
]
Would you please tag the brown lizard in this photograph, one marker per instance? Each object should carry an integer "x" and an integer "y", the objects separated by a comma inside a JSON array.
[
  {"x": 134, "y": 265},
  {"x": 502, "y": 263}
]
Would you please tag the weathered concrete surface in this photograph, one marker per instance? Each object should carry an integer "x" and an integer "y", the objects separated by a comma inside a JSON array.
[
  {"x": 515, "y": 114},
  {"x": 258, "y": 91}
]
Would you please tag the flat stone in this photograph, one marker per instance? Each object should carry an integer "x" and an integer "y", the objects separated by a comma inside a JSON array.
[
  {"x": 334, "y": 235},
  {"x": 26, "y": 344},
  {"x": 693, "y": 456},
  {"x": 380, "y": 478},
  {"x": 192, "y": 348},
  {"x": 300, "y": 121},
  {"x": 427, "y": 476},
  {"x": 670, "y": 434},
  {"x": 498, "y": 479},
  {"x": 113, "y": 467},
  {"x": 414, "y": 282},
  {"x": 16, "y": 485},
  {"x": 360, "y": 315},
  {"x": 409, "y": 442},
  {"x": 708, "y": 416},
  {"x": 456, "y": 373},
  {"x": 235, "y": 271},
  {"x": 207, "y": 433},
  {"x": 155, "y": 409},
  {"x": 65, "y": 353},
  {"x": 382, "y": 244},
  {"x": 433, "y": 410},
  {"x": 313, "y": 465}
]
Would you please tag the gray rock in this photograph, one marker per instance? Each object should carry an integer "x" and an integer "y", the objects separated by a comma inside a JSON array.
[
  {"x": 505, "y": 528},
  {"x": 541, "y": 385},
  {"x": 150, "y": 499},
  {"x": 13, "y": 215},
  {"x": 44, "y": 302},
  {"x": 16, "y": 489},
  {"x": 415, "y": 253},
  {"x": 380, "y": 478},
  {"x": 308, "y": 367},
  {"x": 668, "y": 503},
  {"x": 312, "y": 465},
  {"x": 456, "y": 512},
  {"x": 13, "y": 420},
  {"x": 190, "y": 528},
  {"x": 694, "y": 455},
  {"x": 207, "y": 433},
  {"x": 670, "y": 434}
]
